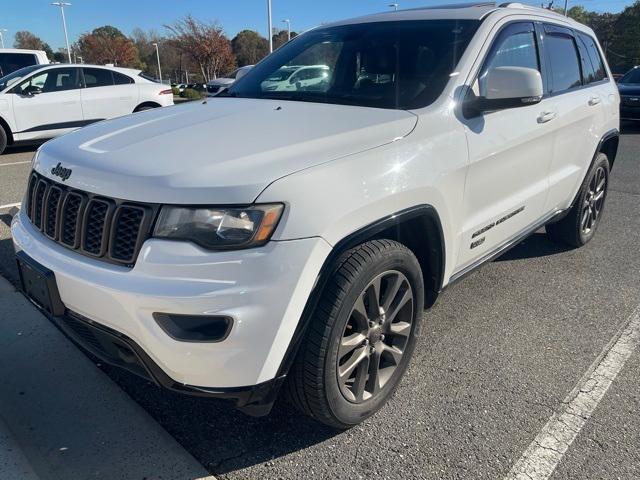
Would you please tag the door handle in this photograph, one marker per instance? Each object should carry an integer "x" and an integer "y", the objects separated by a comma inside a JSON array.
[
  {"x": 594, "y": 101},
  {"x": 545, "y": 117}
]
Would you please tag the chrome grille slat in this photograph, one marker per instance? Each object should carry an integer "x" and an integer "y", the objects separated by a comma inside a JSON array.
[{"x": 106, "y": 228}]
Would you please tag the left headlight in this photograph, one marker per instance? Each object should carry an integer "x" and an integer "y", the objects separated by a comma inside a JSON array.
[{"x": 219, "y": 228}]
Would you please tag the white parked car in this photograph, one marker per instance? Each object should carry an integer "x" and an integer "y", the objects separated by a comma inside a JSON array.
[
  {"x": 294, "y": 238},
  {"x": 12, "y": 59},
  {"x": 216, "y": 86},
  {"x": 294, "y": 78},
  {"x": 40, "y": 102}
]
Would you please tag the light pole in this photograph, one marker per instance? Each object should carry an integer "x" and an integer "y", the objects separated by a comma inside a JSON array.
[
  {"x": 158, "y": 57},
  {"x": 394, "y": 6},
  {"x": 2, "y": 30},
  {"x": 270, "y": 26},
  {"x": 565, "y": 7},
  {"x": 288, "y": 22},
  {"x": 64, "y": 24}
]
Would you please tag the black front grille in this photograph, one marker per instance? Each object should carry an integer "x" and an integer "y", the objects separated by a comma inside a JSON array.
[{"x": 107, "y": 228}]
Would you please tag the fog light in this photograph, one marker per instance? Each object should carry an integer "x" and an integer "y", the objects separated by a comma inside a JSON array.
[{"x": 194, "y": 328}]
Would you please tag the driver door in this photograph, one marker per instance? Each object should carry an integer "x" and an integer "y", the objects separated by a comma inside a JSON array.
[{"x": 48, "y": 104}]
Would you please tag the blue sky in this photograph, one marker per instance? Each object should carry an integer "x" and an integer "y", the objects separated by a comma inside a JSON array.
[{"x": 39, "y": 17}]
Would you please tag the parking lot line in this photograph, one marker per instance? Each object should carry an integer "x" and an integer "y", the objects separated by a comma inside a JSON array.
[
  {"x": 14, "y": 163},
  {"x": 544, "y": 454},
  {"x": 10, "y": 205}
]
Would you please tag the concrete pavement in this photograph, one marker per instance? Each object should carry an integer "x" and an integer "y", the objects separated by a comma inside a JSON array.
[{"x": 63, "y": 419}]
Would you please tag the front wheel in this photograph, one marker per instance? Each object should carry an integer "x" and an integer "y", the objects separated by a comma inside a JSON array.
[
  {"x": 580, "y": 224},
  {"x": 362, "y": 335}
]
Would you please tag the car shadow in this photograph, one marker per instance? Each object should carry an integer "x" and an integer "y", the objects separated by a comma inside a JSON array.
[
  {"x": 8, "y": 268},
  {"x": 220, "y": 437},
  {"x": 24, "y": 147},
  {"x": 534, "y": 246}
]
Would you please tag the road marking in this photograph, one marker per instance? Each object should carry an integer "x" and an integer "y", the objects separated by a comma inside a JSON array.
[
  {"x": 10, "y": 205},
  {"x": 544, "y": 454},
  {"x": 14, "y": 163}
]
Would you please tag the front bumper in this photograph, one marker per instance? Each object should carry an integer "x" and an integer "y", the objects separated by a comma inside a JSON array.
[{"x": 264, "y": 290}]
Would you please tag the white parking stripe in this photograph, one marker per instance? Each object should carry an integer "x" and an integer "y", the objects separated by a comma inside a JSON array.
[
  {"x": 544, "y": 454},
  {"x": 14, "y": 163},
  {"x": 10, "y": 205}
]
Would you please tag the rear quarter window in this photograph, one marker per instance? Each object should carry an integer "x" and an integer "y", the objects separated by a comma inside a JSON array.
[
  {"x": 563, "y": 61},
  {"x": 595, "y": 65}
]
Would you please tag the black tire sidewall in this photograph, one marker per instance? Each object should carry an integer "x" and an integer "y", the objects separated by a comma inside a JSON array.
[
  {"x": 344, "y": 411},
  {"x": 3, "y": 140}
]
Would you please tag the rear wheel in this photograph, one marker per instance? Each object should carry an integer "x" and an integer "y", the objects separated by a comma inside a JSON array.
[
  {"x": 579, "y": 226},
  {"x": 3, "y": 140},
  {"x": 362, "y": 335},
  {"x": 142, "y": 108}
]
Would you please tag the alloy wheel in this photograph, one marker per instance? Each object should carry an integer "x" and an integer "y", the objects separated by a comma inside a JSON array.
[
  {"x": 375, "y": 336},
  {"x": 594, "y": 201}
]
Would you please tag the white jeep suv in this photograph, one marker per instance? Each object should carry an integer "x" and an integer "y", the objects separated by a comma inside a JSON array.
[{"x": 294, "y": 238}]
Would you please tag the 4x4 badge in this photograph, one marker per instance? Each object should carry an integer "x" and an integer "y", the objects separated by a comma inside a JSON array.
[{"x": 60, "y": 171}]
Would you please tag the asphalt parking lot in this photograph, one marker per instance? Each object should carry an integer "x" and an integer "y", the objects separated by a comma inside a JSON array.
[{"x": 499, "y": 354}]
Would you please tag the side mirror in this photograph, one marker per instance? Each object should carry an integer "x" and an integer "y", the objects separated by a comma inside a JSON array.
[{"x": 505, "y": 87}]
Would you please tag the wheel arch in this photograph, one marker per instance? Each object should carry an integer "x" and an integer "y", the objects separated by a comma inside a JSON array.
[
  {"x": 7, "y": 129},
  {"x": 609, "y": 146},
  {"x": 146, "y": 104},
  {"x": 418, "y": 228}
]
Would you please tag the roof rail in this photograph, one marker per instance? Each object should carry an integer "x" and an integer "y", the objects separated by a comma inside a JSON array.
[
  {"x": 454, "y": 5},
  {"x": 531, "y": 7}
]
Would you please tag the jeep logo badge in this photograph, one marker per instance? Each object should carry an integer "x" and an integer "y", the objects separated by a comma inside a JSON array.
[{"x": 60, "y": 171}]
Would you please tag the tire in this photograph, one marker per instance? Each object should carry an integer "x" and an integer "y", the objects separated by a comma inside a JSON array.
[
  {"x": 340, "y": 334},
  {"x": 3, "y": 140},
  {"x": 144, "y": 108},
  {"x": 581, "y": 223}
]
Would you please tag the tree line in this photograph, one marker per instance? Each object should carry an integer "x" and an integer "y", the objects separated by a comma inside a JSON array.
[
  {"x": 619, "y": 34},
  {"x": 190, "y": 50}
]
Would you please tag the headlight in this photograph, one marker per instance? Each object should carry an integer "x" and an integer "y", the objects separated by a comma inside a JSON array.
[{"x": 219, "y": 228}]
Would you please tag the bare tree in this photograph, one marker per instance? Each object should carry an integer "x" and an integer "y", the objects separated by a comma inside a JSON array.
[{"x": 205, "y": 44}]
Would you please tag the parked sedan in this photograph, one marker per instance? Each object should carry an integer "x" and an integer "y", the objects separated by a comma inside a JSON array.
[
  {"x": 44, "y": 101},
  {"x": 293, "y": 78},
  {"x": 216, "y": 86},
  {"x": 629, "y": 87}
]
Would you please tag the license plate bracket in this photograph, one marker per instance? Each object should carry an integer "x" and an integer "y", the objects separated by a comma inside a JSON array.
[{"x": 39, "y": 285}]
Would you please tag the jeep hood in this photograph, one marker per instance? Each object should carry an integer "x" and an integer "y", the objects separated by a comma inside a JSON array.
[{"x": 224, "y": 151}]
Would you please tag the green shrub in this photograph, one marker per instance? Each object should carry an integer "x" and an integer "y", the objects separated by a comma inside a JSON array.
[
  {"x": 191, "y": 94},
  {"x": 175, "y": 91}
]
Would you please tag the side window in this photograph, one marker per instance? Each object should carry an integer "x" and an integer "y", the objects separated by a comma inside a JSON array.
[
  {"x": 597, "y": 65},
  {"x": 515, "y": 47},
  {"x": 563, "y": 62},
  {"x": 97, "y": 77},
  {"x": 53, "y": 80},
  {"x": 120, "y": 79}
]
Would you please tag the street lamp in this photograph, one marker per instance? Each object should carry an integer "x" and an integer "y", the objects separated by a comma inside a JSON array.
[
  {"x": 270, "y": 26},
  {"x": 2, "y": 30},
  {"x": 158, "y": 57},
  {"x": 288, "y": 22},
  {"x": 394, "y": 6},
  {"x": 64, "y": 24}
]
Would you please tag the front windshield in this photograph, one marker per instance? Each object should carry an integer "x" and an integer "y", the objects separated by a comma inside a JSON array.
[
  {"x": 14, "y": 77},
  {"x": 400, "y": 64},
  {"x": 631, "y": 77}
]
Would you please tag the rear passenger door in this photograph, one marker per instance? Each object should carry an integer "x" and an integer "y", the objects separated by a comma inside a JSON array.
[
  {"x": 509, "y": 155},
  {"x": 578, "y": 105},
  {"x": 102, "y": 98}
]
